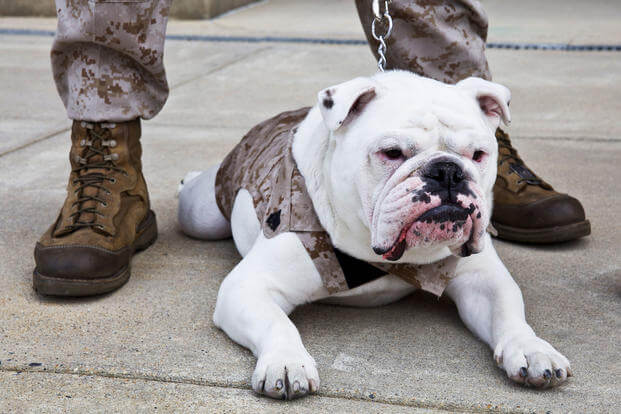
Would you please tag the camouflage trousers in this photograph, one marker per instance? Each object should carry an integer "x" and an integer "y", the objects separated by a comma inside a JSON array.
[
  {"x": 439, "y": 39},
  {"x": 107, "y": 56}
]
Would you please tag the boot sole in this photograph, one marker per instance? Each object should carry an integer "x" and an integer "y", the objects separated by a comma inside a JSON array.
[
  {"x": 544, "y": 236},
  {"x": 53, "y": 286}
]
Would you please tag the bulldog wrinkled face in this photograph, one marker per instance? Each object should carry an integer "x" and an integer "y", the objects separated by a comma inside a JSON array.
[
  {"x": 430, "y": 200},
  {"x": 422, "y": 155}
]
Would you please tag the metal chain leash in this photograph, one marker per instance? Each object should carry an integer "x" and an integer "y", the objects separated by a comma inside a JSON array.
[{"x": 386, "y": 19}]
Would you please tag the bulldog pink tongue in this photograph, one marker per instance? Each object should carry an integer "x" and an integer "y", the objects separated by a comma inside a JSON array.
[{"x": 397, "y": 249}]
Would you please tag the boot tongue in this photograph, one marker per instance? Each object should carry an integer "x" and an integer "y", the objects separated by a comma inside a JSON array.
[
  {"x": 523, "y": 172},
  {"x": 90, "y": 191},
  {"x": 516, "y": 165},
  {"x": 91, "y": 175}
]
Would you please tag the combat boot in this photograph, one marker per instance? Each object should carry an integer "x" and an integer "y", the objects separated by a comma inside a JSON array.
[
  {"x": 526, "y": 208},
  {"x": 106, "y": 216}
]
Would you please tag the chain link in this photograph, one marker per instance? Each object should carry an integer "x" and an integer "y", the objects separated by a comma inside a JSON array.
[{"x": 386, "y": 20}]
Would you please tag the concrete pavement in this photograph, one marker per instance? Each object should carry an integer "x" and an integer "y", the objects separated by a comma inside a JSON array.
[{"x": 152, "y": 343}]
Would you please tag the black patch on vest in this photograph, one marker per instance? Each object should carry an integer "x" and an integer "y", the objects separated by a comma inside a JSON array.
[
  {"x": 273, "y": 221},
  {"x": 357, "y": 272}
]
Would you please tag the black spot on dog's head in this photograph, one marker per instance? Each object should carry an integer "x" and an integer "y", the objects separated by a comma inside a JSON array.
[{"x": 328, "y": 102}]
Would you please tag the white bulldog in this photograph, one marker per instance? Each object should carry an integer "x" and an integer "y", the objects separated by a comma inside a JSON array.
[{"x": 400, "y": 170}]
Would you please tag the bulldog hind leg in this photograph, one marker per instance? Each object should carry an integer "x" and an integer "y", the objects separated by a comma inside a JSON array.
[{"x": 198, "y": 213}]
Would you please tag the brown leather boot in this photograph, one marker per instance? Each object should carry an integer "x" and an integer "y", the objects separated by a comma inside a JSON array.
[
  {"x": 526, "y": 208},
  {"x": 105, "y": 218}
]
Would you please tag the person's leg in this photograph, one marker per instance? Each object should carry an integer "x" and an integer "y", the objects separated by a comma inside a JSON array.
[
  {"x": 442, "y": 40},
  {"x": 445, "y": 40},
  {"x": 107, "y": 60}
]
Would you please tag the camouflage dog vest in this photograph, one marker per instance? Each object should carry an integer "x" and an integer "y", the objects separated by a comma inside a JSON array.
[{"x": 262, "y": 164}]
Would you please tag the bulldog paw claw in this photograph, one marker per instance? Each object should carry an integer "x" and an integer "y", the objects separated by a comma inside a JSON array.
[
  {"x": 531, "y": 361},
  {"x": 285, "y": 377}
]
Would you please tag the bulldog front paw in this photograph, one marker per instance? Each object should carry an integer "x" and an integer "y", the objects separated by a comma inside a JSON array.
[
  {"x": 531, "y": 361},
  {"x": 285, "y": 375}
]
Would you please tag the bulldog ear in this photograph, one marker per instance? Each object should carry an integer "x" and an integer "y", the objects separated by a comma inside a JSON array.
[
  {"x": 493, "y": 99},
  {"x": 342, "y": 103}
]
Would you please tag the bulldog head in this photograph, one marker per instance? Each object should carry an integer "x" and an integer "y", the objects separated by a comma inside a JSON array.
[{"x": 413, "y": 161}]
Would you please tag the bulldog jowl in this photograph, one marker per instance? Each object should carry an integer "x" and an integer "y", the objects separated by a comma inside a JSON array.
[{"x": 438, "y": 205}]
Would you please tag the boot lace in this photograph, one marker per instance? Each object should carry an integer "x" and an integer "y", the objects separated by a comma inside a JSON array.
[
  {"x": 96, "y": 156},
  {"x": 515, "y": 162}
]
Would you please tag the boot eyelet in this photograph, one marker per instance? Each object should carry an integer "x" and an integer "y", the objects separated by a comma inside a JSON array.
[
  {"x": 112, "y": 143},
  {"x": 99, "y": 226},
  {"x": 103, "y": 203},
  {"x": 115, "y": 156},
  {"x": 113, "y": 180}
]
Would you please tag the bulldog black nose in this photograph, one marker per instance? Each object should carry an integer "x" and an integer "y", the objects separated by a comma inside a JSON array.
[{"x": 447, "y": 174}]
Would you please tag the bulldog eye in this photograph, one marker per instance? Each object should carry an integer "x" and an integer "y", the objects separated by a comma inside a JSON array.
[
  {"x": 393, "y": 153},
  {"x": 478, "y": 156}
]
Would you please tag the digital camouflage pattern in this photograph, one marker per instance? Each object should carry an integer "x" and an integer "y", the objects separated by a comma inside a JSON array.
[
  {"x": 107, "y": 58},
  {"x": 107, "y": 54},
  {"x": 439, "y": 39},
  {"x": 262, "y": 163}
]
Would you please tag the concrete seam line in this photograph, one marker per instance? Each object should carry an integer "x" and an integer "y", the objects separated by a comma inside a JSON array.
[
  {"x": 220, "y": 67},
  {"x": 566, "y": 47},
  {"x": 35, "y": 141},
  {"x": 60, "y": 131},
  {"x": 243, "y": 386}
]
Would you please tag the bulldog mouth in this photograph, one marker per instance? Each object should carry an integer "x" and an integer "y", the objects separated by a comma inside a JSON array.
[
  {"x": 397, "y": 250},
  {"x": 444, "y": 213}
]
